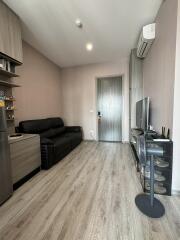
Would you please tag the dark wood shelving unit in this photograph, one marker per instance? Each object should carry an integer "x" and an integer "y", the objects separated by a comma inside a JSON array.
[
  {"x": 9, "y": 74},
  {"x": 9, "y": 100},
  {"x": 8, "y": 84},
  {"x": 11, "y": 57},
  {"x": 17, "y": 63}
]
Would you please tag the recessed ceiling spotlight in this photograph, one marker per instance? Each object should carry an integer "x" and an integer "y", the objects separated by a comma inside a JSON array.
[
  {"x": 79, "y": 23},
  {"x": 89, "y": 47}
]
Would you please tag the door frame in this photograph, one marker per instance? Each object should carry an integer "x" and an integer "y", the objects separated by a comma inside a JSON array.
[{"x": 96, "y": 102}]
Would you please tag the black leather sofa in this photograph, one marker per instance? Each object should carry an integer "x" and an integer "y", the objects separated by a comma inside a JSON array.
[{"x": 57, "y": 140}]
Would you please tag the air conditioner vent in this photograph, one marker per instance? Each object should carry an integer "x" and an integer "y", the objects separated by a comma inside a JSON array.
[{"x": 145, "y": 40}]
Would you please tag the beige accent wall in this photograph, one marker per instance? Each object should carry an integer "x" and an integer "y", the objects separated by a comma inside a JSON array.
[
  {"x": 176, "y": 116},
  {"x": 159, "y": 67},
  {"x": 79, "y": 95},
  {"x": 40, "y": 93},
  {"x": 162, "y": 78}
]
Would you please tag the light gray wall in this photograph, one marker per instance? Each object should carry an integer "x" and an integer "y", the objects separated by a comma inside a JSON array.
[{"x": 159, "y": 67}]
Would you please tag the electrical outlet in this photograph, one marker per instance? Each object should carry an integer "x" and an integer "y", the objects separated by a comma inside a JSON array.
[{"x": 91, "y": 133}]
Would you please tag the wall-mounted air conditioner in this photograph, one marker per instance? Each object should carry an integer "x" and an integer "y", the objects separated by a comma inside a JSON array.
[{"x": 146, "y": 39}]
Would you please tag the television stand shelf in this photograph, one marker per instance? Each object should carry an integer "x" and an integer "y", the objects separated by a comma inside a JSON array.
[{"x": 163, "y": 165}]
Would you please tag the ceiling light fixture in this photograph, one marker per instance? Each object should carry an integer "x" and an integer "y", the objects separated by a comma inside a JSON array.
[
  {"x": 89, "y": 47},
  {"x": 79, "y": 23}
]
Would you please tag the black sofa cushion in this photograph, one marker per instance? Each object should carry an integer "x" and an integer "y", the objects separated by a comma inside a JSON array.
[
  {"x": 55, "y": 122},
  {"x": 73, "y": 129},
  {"x": 47, "y": 141},
  {"x": 40, "y": 125},
  {"x": 34, "y": 126},
  {"x": 52, "y": 132}
]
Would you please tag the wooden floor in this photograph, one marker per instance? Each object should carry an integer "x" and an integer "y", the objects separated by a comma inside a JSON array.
[{"x": 87, "y": 196}]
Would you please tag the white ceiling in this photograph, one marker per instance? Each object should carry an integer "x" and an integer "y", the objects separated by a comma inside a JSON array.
[{"x": 112, "y": 26}]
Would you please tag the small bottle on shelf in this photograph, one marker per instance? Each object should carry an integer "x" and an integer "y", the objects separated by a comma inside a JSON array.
[{"x": 9, "y": 98}]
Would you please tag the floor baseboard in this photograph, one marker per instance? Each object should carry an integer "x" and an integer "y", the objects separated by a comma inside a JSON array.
[{"x": 175, "y": 192}]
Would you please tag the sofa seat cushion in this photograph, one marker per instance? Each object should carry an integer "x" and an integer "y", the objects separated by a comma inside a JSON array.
[
  {"x": 74, "y": 137},
  {"x": 52, "y": 132},
  {"x": 47, "y": 141},
  {"x": 60, "y": 141}
]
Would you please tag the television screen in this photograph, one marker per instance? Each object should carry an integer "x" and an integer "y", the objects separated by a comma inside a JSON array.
[{"x": 142, "y": 114}]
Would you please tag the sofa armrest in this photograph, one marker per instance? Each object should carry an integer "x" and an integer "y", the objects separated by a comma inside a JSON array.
[
  {"x": 47, "y": 155},
  {"x": 73, "y": 129}
]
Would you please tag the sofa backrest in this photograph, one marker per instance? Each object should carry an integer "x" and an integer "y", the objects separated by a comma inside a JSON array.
[
  {"x": 40, "y": 125},
  {"x": 55, "y": 122}
]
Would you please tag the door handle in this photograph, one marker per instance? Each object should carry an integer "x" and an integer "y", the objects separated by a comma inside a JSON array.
[{"x": 99, "y": 115}]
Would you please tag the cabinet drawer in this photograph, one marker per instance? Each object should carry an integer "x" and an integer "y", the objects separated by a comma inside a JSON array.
[{"x": 25, "y": 157}]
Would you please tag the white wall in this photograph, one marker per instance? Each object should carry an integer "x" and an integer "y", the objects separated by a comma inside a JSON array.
[
  {"x": 79, "y": 95},
  {"x": 176, "y": 117},
  {"x": 159, "y": 67}
]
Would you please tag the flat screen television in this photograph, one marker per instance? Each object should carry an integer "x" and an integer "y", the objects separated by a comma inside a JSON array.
[{"x": 142, "y": 114}]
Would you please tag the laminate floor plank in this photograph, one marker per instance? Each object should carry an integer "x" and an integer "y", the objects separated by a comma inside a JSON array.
[{"x": 89, "y": 195}]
